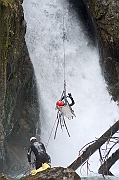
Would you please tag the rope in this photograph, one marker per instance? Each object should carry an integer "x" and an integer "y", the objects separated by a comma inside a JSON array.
[
  {"x": 64, "y": 92},
  {"x": 64, "y": 37},
  {"x": 25, "y": 171},
  {"x": 51, "y": 133}
]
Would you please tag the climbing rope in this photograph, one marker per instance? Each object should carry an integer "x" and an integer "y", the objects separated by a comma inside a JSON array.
[
  {"x": 23, "y": 172},
  {"x": 62, "y": 123},
  {"x": 51, "y": 133},
  {"x": 64, "y": 38}
]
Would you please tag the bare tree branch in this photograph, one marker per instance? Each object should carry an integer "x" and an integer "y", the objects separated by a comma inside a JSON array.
[
  {"x": 105, "y": 167},
  {"x": 94, "y": 147}
]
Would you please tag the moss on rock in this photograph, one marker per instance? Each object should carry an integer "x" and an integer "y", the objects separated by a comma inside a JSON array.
[{"x": 19, "y": 104}]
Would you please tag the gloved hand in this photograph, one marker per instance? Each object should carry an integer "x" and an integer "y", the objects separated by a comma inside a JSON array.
[
  {"x": 30, "y": 163},
  {"x": 69, "y": 94}
]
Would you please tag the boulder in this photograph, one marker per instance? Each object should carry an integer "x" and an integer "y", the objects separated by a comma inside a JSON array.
[{"x": 55, "y": 173}]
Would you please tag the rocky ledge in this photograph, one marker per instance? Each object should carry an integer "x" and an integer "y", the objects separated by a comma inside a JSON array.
[{"x": 55, "y": 173}]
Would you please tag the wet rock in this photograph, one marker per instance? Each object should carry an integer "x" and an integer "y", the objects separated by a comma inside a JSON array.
[
  {"x": 106, "y": 16},
  {"x": 5, "y": 177},
  {"x": 19, "y": 107},
  {"x": 56, "y": 173}
]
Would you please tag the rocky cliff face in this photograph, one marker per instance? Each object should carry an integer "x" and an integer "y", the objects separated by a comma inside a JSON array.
[
  {"x": 18, "y": 92},
  {"x": 106, "y": 16}
]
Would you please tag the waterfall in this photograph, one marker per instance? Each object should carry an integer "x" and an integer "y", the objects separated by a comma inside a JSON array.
[{"x": 94, "y": 109}]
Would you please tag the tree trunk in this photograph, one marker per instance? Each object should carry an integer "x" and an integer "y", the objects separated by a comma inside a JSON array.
[
  {"x": 93, "y": 147},
  {"x": 105, "y": 167}
]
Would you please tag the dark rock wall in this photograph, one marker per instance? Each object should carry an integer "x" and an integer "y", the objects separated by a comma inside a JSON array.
[
  {"x": 106, "y": 16},
  {"x": 85, "y": 19},
  {"x": 18, "y": 91}
]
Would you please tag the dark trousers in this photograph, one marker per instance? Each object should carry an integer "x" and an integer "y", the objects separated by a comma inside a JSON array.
[{"x": 42, "y": 158}]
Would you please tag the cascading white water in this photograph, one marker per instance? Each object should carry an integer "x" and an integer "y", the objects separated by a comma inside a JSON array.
[{"x": 94, "y": 109}]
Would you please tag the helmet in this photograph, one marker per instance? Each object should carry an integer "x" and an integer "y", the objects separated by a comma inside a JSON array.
[
  {"x": 59, "y": 103},
  {"x": 32, "y": 138}
]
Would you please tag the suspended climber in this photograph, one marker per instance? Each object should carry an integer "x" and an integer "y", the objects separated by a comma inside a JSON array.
[
  {"x": 64, "y": 110},
  {"x": 63, "y": 106},
  {"x": 61, "y": 102}
]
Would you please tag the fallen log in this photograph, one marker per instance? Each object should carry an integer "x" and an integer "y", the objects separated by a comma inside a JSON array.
[
  {"x": 95, "y": 146},
  {"x": 105, "y": 167}
]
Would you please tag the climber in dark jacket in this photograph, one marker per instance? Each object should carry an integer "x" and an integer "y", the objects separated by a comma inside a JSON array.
[
  {"x": 39, "y": 151},
  {"x": 71, "y": 98}
]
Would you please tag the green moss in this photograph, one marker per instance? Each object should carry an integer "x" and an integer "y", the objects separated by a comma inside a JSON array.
[
  {"x": 7, "y": 43},
  {"x": 10, "y": 37},
  {"x": 7, "y": 107},
  {"x": 13, "y": 75},
  {"x": 6, "y": 3},
  {"x": 29, "y": 84},
  {"x": 18, "y": 39},
  {"x": 8, "y": 94}
]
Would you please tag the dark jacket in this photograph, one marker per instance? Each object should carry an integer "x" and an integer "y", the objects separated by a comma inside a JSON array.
[
  {"x": 72, "y": 100},
  {"x": 37, "y": 148}
]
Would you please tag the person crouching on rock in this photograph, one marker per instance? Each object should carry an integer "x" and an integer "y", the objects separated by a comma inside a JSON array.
[{"x": 39, "y": 151}]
